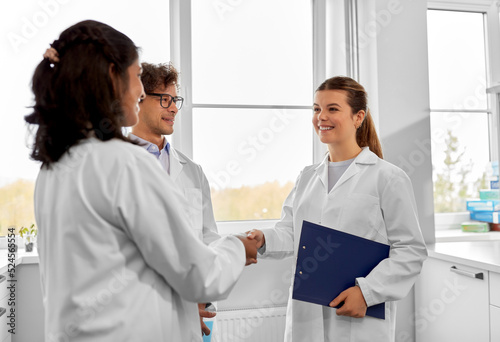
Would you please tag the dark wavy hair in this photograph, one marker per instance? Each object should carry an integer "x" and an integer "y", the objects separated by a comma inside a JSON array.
[
  {"x": 357, "y": 98},
  {"x": 75, "y": 98}
]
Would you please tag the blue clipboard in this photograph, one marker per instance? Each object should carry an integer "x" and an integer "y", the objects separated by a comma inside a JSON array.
[{"x": 329, "y": 261}]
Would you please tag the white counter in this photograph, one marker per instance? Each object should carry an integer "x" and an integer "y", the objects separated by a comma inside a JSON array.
[
  {"x": 480, "y": 254},
  {"x": 483, "y": 254},
  {"x": 22, "y": 257}
]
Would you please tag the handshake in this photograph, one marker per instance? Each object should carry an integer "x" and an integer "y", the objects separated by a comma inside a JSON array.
[{"x": 252, "y": 240}]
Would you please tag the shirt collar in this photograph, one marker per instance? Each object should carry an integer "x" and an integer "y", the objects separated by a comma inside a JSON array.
[{"x": 149, "y": 146}]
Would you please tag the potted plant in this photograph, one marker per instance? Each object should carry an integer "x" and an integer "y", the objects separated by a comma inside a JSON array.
[{"x": 29, "y": 235}]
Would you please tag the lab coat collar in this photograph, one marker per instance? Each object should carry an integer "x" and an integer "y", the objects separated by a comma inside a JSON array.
[
  {"x": 365, "y": 157},
  {"x": 176, "y": 163}
]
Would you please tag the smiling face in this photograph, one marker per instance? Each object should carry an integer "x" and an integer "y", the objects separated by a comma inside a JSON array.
[
  {"x": 133, "y": 94},
  {"x": 333, "y": 119},
  {"x": 154, "y": 120}
]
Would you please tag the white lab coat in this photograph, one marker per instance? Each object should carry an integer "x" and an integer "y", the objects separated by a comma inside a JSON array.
[
  {"x": 118, "y": 260},
  {"x": 190, "y": 178},
  {"x": 373, "y": 199}
]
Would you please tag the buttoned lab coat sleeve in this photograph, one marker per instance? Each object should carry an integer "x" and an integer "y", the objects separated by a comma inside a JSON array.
[
  {"x": 280, "y": 239},
  {"x": 149, "y": 208},
  {"x": 210, "y": 232},
  {"x": 393, "y": 278}
]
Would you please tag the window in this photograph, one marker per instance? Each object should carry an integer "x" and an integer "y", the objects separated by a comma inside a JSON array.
[
  {"x": 247, "y": 79},
  {"x": 28, "y": 27},
  {"x": 460, "y": 116},
  {"x": 251, "y": 102}
]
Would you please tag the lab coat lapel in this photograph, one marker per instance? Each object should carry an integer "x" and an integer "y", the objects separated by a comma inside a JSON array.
[
  {"x": 365, "y": 157},
  {"x": 176, "y": 164},
  {"x": 351, "y": 171},
  {"x": 322, "y": 172}
]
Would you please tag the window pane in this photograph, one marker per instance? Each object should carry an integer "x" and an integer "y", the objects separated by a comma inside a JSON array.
[
  {"x": 460, "y": 158},
  {"x": 28, "y": 27},
  {"x": 251, "y": 157},
  {"x": 252, "y": 52},
  {"x": 457, "y": 62}
]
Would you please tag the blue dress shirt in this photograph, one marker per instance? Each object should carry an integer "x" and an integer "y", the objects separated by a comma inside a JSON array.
[{"x": 163, "y": 156}]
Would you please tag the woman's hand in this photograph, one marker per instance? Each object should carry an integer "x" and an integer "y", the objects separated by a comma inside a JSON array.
[
  {"x": 258, "y": 236},
  {"x": 354, "y": 303}
]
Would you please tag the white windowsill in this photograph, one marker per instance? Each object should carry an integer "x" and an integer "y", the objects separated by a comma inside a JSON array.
[
  {"x": 22, "y": 257},
  {"x": 234, "y": 227},
  {"x": 454, "y": 235},
  {"x": 448, "y": 229}
]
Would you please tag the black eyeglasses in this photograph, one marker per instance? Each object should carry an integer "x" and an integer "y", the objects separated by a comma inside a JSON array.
[{"x": 167, "y": 99}]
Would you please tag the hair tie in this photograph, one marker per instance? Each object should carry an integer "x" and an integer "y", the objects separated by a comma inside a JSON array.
[{"x": 52, "y": 55}]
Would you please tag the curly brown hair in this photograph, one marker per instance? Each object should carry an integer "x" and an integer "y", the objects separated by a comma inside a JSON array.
[{"x": 156, "y": 75}]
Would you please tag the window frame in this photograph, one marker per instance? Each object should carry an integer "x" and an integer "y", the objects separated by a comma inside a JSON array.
[
  {"x": 337, "y": 16},
  {"x": 326, "y": 13},
  {"x": 491, "y": 14}
]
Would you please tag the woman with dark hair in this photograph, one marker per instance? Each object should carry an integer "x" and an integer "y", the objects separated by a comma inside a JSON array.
[
  {"x": 353, "y": 190},
  {"x": 118, "y": 260}
]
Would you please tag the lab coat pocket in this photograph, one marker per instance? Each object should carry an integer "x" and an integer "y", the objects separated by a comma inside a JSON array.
[
  {"x": 194, "y": 209},
  {"x": 361, "y": 215}
]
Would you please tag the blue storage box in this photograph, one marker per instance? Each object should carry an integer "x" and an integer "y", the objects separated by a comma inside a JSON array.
[
  {"x": 494, "y": 184},
  {"x": 483, "y": 205},
  {"x": 485, "y": 216},
  {"x": 494, "y": 166}
]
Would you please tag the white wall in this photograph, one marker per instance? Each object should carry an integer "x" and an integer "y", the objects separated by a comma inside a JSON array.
[
  {"x": 394, "y": 69},
  {"x": 403, "y": 97},
  {"x": 393, "y": 65}
]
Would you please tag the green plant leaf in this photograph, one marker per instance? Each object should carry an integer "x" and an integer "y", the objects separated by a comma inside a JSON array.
[{"x": 23, "y": 231}]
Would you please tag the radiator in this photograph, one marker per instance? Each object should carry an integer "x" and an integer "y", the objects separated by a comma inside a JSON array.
[{"x": 249, "y": 325}]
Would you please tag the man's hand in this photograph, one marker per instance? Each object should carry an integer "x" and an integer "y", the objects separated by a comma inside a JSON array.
[
  {"x": 250, "y": 249},
  {"x": 354, "y": 303},
  {"x": 258, "y": 236},
  {"x": 207, "y": 314}
]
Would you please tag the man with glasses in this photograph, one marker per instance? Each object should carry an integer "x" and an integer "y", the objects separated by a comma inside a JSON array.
[{"x": 156, "y": 119}]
